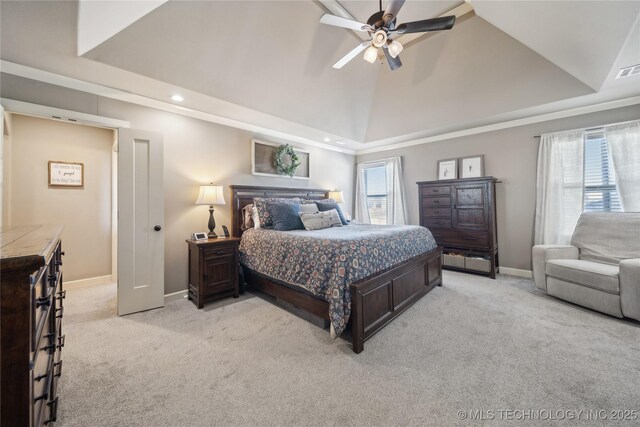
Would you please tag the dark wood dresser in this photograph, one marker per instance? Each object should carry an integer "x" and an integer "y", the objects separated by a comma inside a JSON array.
[
  {"x": 31, "y": 324},
  {"x": 214, "y": 268},
  {"x": 461, "y": 214}
]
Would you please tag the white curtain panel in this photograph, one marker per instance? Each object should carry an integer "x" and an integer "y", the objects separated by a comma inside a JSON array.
[
  {"x": 362, "y": 213},
  {"x": 624, "y": 146},
  {"x": 396, "y": 207},
  {"x": 559, "y": 188}
]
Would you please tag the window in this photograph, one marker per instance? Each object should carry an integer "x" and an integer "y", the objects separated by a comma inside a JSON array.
[
  {"x": 600, "y": 192},
  {"x": 380, "y": 192},
  {"x": 375, "y": 184}
]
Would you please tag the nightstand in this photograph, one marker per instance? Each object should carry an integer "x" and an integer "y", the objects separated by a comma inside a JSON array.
[{"x": 213, "y": 269}]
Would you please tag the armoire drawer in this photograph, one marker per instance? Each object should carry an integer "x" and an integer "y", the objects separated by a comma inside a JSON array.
[
  {"x": 436, "y": 201},
  {"x": 435, "y": 191},
  {"x": 436, "y": 212},
  {"x": 437, "y": 222},
  {"x": 456, "y": 237}
]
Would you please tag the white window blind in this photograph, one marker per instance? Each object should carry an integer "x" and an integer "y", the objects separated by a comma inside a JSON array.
[
  {"x": 375, "y": 182},
  {"x": 600, "y": 192}
]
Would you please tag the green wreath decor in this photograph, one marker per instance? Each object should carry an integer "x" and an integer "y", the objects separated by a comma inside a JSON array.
[{"x": 278, "y": 160}]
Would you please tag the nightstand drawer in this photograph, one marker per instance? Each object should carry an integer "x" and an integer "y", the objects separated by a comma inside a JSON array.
[{"x": 210, "y": 253}]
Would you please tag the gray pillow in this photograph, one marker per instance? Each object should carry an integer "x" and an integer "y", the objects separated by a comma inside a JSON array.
[
  {"x": 320, "y": 220},
  {"x": 309, "y": 208}
]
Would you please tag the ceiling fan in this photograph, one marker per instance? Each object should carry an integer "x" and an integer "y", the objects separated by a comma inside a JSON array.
[{"x": 382, "y": 28}]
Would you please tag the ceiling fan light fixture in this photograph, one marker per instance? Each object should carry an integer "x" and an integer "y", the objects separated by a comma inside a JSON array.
[
  {"x": 371, "y": 54},
  {"x": 395, "y": 47}
]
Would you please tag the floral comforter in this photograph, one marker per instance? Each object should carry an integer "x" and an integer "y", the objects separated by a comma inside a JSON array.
[{"x": 325, "y": 262}]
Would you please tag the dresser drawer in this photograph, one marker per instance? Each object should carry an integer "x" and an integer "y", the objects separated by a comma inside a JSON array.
[
  {"x": 465, "y": 238},
  {"x": 436, "y": 190},
  {"x": 41, "y": 304},
  {"x": 436, "y": 212},
  {"x": 437, "y": 222},
  {"x": 436, "y": 201}
]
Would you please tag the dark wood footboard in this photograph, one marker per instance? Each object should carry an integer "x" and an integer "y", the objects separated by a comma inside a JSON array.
[{"x": 375, "y": 300}]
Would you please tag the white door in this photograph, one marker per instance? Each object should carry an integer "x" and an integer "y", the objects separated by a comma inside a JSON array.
[{"x": 140, "y": 221}]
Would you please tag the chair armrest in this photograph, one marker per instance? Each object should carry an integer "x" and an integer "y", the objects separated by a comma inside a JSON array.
[
  {"x": 630, "y": 288},
  {"x": 543, "y": 253}
]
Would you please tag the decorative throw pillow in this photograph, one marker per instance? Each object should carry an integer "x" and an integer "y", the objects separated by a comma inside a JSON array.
[
  {"x": 247, "y": 217},
  {"x": 309, "y": 208},
  {"x": 329, "y": 204},
  {"x": 285, "y": 216},
  {"x": 320, "y": 220},
  {"x": 261, "y": 204},
  {"x": 255, "y": 218}
]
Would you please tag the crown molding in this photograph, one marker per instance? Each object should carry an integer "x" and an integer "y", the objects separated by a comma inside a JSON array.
[
  {"x": 132, "y": 98},
  {"x": 603, "y": 106}
]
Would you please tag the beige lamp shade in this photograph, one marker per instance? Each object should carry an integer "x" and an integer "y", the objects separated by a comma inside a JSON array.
[
  {"x": 210, "y": 195},
  {"x": 337, "y": 196}
]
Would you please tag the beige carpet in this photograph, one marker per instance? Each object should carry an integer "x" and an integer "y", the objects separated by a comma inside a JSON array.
[{"x": 475, "y": 344}]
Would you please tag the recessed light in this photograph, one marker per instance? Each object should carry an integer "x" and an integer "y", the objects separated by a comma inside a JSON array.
[
  {"x": 177, "y": 98},
  {"x": 327, "y": 139}
]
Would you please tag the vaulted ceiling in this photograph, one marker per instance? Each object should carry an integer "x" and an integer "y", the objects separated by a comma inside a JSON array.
[{"x": 269, "y": 62}]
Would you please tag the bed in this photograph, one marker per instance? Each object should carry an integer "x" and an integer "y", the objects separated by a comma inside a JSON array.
[{"x": 406, "y": 266}]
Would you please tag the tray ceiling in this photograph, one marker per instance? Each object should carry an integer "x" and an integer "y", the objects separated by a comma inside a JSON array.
[{"x": 271, "y": 60}]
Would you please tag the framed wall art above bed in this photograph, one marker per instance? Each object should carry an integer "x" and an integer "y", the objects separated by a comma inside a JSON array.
[{"x": 262, "y": 160}]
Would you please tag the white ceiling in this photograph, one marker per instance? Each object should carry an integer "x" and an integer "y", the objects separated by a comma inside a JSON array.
[{"x": 269, "y": 63}]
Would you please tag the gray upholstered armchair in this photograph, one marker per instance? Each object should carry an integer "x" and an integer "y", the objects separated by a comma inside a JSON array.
[{"x": 600, "y": 269}]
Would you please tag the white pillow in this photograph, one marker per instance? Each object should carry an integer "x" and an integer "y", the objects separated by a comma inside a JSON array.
[
  {"x": 255, "y": 217},
  {"x": 309, "y": 208},
  {"x": 320, "y": 220}
]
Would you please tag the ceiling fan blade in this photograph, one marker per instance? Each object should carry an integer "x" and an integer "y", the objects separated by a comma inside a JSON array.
[
  {"x": 435, "y": 24},
  {"x": 394, "y": 63},
  {"x": 390, "y": 13},
  {"x": 349, "y": 56},
  {"x": 337, "y": 21}
]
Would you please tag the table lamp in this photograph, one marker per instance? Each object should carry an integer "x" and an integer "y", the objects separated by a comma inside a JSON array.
[
  {"x": 211, "y": 195},
  {"x": 337, "y": 196}
]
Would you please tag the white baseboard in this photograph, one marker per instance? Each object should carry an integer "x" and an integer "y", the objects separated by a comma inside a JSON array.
[
  {"x": 516, "y": 272},
  {"x": 175, "y": 296},
  {"x": 100, "y": 280}
]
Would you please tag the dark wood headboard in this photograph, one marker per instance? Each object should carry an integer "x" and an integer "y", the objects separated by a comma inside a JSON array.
[{"x": 242, "y": 195}]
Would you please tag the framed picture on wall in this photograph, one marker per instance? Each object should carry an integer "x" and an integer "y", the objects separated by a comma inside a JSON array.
[
  {"x": 262, "y": 156},
  {"x": 66, "y": 174},
  {"x": 472, "y": 166},
  {"x": 448, "y": 169}
]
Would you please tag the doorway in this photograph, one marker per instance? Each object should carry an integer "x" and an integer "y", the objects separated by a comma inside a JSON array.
[{"x": 32, "y": 148}]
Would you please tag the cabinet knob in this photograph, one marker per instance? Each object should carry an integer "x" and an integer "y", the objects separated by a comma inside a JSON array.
[{"x": 157, "y": 228}]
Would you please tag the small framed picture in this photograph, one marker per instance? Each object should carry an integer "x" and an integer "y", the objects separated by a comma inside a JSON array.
[
  {"x": 448, "y": 169},
  {"x": 66, "y": 174},
  {"x": 472, "y": 166}
]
